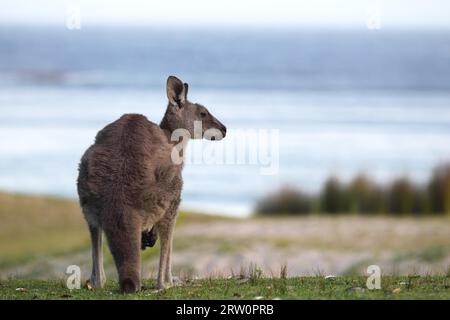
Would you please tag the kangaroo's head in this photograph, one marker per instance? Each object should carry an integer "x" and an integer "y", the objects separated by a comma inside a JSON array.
[{"x": 183, "y": 114}]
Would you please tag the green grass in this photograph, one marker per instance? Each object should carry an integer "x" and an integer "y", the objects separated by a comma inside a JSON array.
[
  {"x": 38, "y": 231},
  {"x": 393, "y": 287}
]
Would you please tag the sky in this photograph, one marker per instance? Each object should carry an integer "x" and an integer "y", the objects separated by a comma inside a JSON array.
[{"x": 232, "y": 13}]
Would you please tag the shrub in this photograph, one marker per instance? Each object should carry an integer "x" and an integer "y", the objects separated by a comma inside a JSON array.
[
  {"x": 401, "y": 196},
  {"x": 439, "y": 190},
  {"x": 332, "y": 197},
  {"x": 287, "y": 200},
  {"x": 364, "y": 196}
]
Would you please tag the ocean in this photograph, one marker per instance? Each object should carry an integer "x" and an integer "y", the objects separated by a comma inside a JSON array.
[{"x": 336, "y": 101}]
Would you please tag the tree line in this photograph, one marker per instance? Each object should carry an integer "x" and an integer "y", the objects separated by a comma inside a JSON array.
[{"x": 363, "y": 195}]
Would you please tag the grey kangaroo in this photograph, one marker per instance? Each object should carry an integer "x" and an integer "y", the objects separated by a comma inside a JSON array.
[{"x": 129, "y": 187}]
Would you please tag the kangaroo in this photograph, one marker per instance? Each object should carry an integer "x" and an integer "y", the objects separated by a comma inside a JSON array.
[{"x": 129, "y": 187}]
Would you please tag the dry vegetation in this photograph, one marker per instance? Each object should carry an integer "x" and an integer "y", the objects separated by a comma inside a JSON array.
[{"x": 40, "y": 237}]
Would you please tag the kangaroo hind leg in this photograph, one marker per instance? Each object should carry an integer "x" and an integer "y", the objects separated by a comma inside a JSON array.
[
  {"x": 98, "y": 278},
  {"x": 124, "y": 241},
  {"x": 165, "y": 233}
]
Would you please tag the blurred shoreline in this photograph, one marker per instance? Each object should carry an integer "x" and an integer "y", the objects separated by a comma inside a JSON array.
[{"x": 344, "y": 102}]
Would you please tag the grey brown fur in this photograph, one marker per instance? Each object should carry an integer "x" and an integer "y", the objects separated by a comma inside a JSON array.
[{"x": 128, "y": 185}]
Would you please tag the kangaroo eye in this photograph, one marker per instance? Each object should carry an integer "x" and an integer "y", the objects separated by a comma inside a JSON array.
[{"x": 202, "y": 114}]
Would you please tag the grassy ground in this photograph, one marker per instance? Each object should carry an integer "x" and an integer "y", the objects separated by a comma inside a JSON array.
[
  {"x": 431, "y": 287},
  {"x": 41, "y": 236}
]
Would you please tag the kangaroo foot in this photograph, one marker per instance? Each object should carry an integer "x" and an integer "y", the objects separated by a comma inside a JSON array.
[
  {"x": 96, "y": 281},
  {"x": 128, "y": 285},
  {"x": 163, "y": 285}
]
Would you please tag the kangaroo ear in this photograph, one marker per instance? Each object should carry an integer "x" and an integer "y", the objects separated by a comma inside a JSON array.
[{"x": 176, "y": 91}]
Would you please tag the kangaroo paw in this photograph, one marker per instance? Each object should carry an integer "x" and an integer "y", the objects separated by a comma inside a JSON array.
[{"x": 148, "y": 238}]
